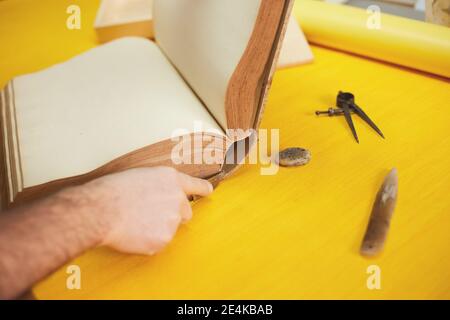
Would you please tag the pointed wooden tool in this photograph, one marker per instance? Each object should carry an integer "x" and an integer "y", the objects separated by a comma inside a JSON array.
[{"x": 380, "y": 218}]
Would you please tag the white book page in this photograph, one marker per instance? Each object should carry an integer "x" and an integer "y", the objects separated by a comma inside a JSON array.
[
  {"x": 205, "y": 40},
  {"x": 75, "y": 117}
]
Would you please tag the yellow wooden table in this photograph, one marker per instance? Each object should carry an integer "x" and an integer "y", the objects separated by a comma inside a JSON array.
[{"x": 296, "y": 234}]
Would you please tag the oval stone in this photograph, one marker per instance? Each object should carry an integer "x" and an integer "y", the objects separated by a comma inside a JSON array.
[{"x": 293, "y": 157}]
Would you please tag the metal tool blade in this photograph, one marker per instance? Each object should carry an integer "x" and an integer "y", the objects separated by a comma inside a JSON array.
[
  {"x": 349, "y": 120},
  {"x": 366, "y": 118}
]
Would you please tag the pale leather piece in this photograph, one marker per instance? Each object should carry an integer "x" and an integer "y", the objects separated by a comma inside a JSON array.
[
  {"x": 119, "y": 18},
  {"x": 295, "y": 49},
  {"x": 119, "y": 12},
  {"x": 113, "y": 99}
]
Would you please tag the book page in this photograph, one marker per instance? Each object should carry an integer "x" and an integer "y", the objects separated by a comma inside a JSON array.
[
  {"x": 205, "y": 40},
  {"x": 76, "y": 116}
]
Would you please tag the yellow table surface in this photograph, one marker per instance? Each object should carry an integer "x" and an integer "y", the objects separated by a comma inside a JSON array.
[{"x": 295, "y": 234}]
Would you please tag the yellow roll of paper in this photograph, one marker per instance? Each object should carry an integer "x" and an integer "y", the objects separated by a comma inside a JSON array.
[{"x": 415, "y": 44}]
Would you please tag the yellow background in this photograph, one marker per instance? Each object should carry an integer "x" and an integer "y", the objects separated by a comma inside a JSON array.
[{"x": 295, "y": 234}]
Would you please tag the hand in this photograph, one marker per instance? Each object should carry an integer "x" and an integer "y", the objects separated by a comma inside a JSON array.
[{"x": 145, "y": 206}]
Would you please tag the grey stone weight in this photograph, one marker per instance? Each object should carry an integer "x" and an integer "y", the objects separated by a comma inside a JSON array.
[{"x": 293, "y": 157}]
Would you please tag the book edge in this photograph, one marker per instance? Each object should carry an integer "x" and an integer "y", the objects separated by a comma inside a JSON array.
[{"x": 157, "y": 154}]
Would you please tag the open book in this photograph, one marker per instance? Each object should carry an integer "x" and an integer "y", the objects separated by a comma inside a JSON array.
[{"x": 130, "y": 102}]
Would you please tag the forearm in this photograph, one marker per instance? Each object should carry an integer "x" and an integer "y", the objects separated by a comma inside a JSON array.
[
  {"x": 135, "y": 211},
  {"x": 37, "y": 239}
]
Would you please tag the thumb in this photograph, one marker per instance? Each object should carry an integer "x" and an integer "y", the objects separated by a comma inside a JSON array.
[{"x": 195, "y": 186}]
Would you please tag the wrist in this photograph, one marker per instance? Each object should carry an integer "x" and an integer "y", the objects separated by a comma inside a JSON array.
[{"x": 88, "y": 205}]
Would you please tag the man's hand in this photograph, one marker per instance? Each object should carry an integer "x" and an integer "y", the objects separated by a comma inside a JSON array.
[
  {"x": 145, "y": 206},
  {"x": 135, "y": 211}
]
